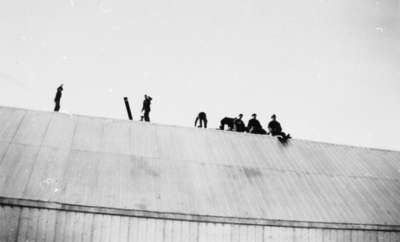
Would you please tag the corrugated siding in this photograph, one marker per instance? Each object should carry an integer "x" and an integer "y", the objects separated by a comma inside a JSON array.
[
  {"x": 113, "y": 163},
  {"x": 31, "y": 224}
]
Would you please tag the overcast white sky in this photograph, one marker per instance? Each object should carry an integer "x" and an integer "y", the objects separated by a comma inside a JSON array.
[{"x": 330, "y": 69}]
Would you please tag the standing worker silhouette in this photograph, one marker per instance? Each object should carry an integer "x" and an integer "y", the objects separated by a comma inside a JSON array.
[
  {"x": 146, "y": 108},
  {"x": 202, "y": 119},
  {"x": 254, "y": 126},
  {"x": 275, "y": 129},
  {"x": 57, "y": 98}
]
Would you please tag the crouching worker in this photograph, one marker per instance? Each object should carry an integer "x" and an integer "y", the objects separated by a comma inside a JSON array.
[
  {"x": 227, "y": 121},
  {"x": 202, "y": 119},
  {"x": 275, "y": 129},
  {"x": 254, "y": 126}
]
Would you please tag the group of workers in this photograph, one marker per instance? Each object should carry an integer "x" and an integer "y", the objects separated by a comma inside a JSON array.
[
  {"x": 253, "y": 126},
  {"x": 234, "y": 124},
  {"x": 145, "y": 108}
]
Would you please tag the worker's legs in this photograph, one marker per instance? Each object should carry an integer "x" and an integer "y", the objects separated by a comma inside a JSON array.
[
  {"x": 203, "y": 123},
  {"x": 57, "y": 107},
  {"x": 146, "y": 116}
]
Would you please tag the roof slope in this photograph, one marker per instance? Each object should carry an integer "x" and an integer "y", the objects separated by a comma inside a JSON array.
[{"x": 133, "y": 165}]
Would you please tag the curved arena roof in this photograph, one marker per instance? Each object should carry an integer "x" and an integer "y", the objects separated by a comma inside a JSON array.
[{"x": 167, "y": 172}]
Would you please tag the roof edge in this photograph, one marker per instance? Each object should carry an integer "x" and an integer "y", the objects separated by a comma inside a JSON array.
[
  {"x": 207, "y": 130},
  {"x": 39, "y": 204}
]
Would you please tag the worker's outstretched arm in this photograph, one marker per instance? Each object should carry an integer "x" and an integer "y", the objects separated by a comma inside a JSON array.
[{"x": 195, "y": 122}]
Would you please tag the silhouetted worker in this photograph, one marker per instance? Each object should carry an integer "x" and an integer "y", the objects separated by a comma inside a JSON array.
[
  {"x": 57, "y": 98},
  {"x": 227, "y": 121},
  {"x": 146, "y": 108},
  {"x": 254, "y": 126},
  {"x": 275, "y": 129},
  {"x": 202, "y": 119},
  {"x": 238, "y": 124}
]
